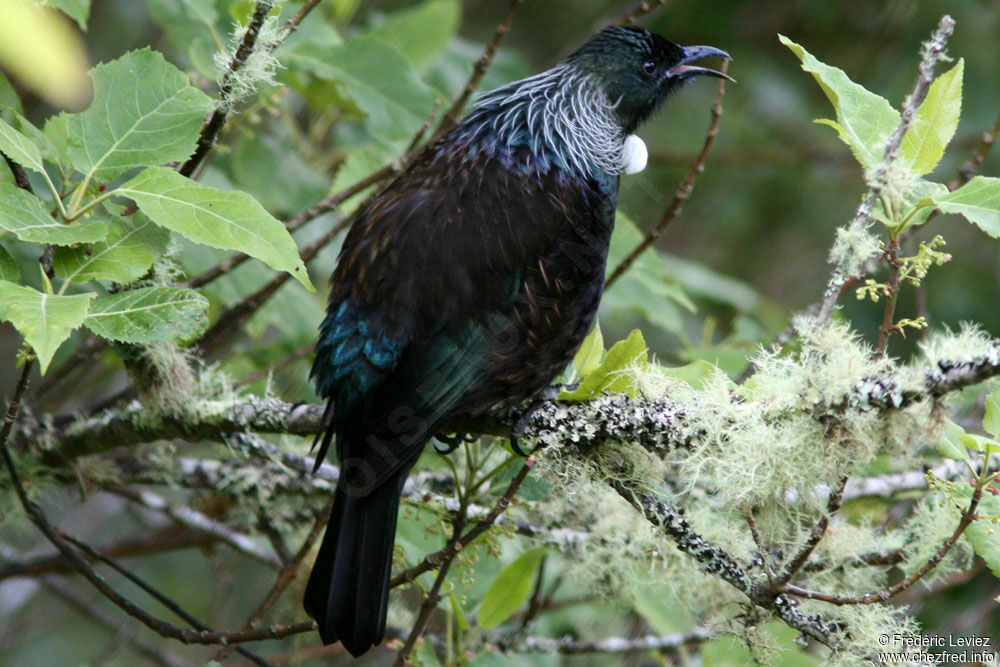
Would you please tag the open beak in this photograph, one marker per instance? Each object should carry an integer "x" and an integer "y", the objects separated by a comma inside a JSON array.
[{"x": 692, "y": 53}]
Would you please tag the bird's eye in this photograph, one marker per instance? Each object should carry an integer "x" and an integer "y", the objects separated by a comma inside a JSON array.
[{"x": 649, "y": 67}]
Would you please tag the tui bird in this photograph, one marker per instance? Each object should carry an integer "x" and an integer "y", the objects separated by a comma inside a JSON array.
[{"x": 467, "y": 286}]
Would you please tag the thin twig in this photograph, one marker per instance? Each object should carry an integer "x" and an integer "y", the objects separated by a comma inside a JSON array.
[
  {"x": 815, "y": 536},
  {"x": 438, "y": 558},
  {"x": 888, "y": 325},
  {"x": 433, "y": 596},
  {"x": 640, "y": 10},
  {"x": 285, "y": 577},
  {"x": 166, "y": 541},
  {"x": 292, "y": 24},
  {"x": 206, "y": 138},
  {"x": 150, "y": 590},
  {"x": 482, "y": 66},
  {"x": 886, "y": 594},
  {"x": 971, "y": 166},
  {"x": 113, "y": 624},
  {"x": 684, "y": 188}
]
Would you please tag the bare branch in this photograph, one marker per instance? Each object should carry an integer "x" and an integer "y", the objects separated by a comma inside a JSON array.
[{"x": 478, "y": 72}]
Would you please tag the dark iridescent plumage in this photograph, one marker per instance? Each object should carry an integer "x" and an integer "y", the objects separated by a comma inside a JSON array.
[{"x": 468, "y": 285}]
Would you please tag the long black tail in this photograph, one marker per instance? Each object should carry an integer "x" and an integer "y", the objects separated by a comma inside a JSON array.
[{"x": 348, "y": 590}]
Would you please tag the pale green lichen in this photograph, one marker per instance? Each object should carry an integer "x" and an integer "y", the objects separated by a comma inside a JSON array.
[
  {"x": 786, "y": 432},
  {"x": 852, "y": 249},
  {"x": 258, "y": 69}
]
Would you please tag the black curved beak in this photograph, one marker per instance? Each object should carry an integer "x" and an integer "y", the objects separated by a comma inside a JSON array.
[{"x": 692, "y": 53}]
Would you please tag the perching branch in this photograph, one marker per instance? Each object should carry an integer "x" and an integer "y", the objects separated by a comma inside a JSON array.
[{"x": 659, "y": 425}]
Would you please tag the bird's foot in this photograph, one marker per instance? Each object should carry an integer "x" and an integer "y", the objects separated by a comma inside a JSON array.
[{"x": 451, "y": 442}]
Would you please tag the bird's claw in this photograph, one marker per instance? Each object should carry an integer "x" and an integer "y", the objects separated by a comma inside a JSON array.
[{"x": 452, "y": 442}]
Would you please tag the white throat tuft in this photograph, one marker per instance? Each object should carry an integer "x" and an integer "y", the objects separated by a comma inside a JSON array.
[{"x": 635, "y": 156}]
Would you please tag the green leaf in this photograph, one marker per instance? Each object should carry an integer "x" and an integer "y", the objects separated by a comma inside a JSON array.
[
  {"x": 457, "y": 613},
  {"x": 20, "y": 148},
  {"x": 420, "y": 33},
  {"x": 78, "y": 10},
  {"x": 612, "y": 375},
  {"x": 950, "y": 444},
  {"x": 9, "y": 270},
  {"x": 865, "y": 121},
  {"x": 149, "y": 315},
  {"x": 23, "y": 213},
  {"x": 980, "y": 443},
  {"x": 935, "y": 122},
  {"x": 510, "y": 589},
  {"x": 144, "y": 113},
  {"x": 978, "y": 200},
  {"x": 379, "y": 81},
  {"x": 983, "y": 534},
  {"x": 696, "y": 374},
  {"x": 131, "y": 247},
  {"x": 9, "y": 96},
  {"x": 588, "y": 357},
  {"x": 991, "y": 420},
  {"x": 219, "y": 218},
  {"x": 45, "y": 320}
]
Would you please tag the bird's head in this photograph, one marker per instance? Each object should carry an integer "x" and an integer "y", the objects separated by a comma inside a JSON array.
[{"x": 638, "y": 69}]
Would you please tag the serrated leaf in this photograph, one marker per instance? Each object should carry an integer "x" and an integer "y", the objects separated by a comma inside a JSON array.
[
  {"x": 612, "y": 375},
  {"x": 865, "y": 120},
  {"x": 379, "y": 80},
  {"x": 420, "y": 33},
  {"x": 991, "y": 419},
  {"x": 44, "y": 320},
  {"x": 20, "y": 148},
  {"x": 42, "y": 51},
  {"x": 935, "y": 122},
  {"x": 149, "y": 315},
  {"x": 78, "y": 10},
  {"x": 510, "y": 589},
  {"x": 978, "y": 200},
  {"x": 144, "y": 113},
  {"x": 131, "y": 247},
  {"x": 588, "y": 357},
  {"x": 9, "y": 270},
  {"x": 219, "y": 218},
  {"x": 24, "y": 214},
  {"x": 950, "y": 443}
]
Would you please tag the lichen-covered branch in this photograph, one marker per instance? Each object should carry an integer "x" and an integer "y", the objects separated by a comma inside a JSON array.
[
  {"x": 659, "y": 425},
  {"x": 612, "y": 645}
]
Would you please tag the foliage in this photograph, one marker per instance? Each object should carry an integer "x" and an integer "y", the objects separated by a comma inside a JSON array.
[{"x": 115, "y": 263}]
